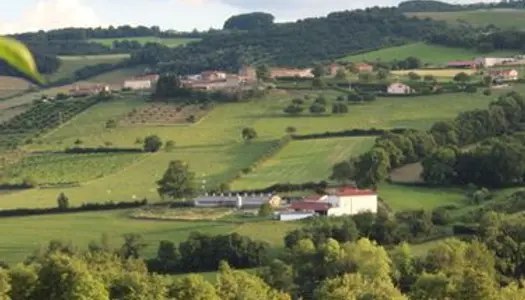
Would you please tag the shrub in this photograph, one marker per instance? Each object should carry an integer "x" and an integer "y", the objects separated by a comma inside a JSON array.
[
  {"x": 265, "y": 210},
  {"x": 441, "y": 216},
  {"x": 320, "y": 100},
  {"x": 317, "y": 108},
  {"x": 298, "y": 101},
  {"x": 291, "y": 129},
  {"x": 170, "y": 145},
  {"x": 191, "y": 119},
  {"x": 152, "y": 143},
  {"x": 111, "y": 124},
  {"x": 487, "y": 92},
  {"x": 293, "y": 109},
  {"x": 471, "y": 89}
]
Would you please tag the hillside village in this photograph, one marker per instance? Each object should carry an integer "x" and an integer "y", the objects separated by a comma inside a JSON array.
[{"x": 373, "y": 153}]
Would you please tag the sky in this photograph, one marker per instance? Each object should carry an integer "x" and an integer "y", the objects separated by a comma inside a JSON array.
[{"x": 183, "y": 15}]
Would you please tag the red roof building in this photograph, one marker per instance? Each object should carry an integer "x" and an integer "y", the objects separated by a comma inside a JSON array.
[
  {"x": 310, "y": 206},
  {"x": 348, "y": 192}
]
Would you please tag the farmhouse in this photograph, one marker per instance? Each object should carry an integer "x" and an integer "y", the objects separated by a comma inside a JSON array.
[
  {"x": 504, "y": 75},
  {"x": 488, "y": 62},
  {"x": 333, "y": 68},
  {"x": 137, "y": 84},
  {"x": 362, "y": 67},
  {"x": 79, "y": 91},
  {"x": 285, "y": 72},
  {"x": 345, "y": 201},
  {"x": 237, "y": 200},
  {"x": 398, "y": 88},
  {"x": 229, "y": 82},
  {"x": 248, "y": 74},
  {"x": 213, "y": 75}
]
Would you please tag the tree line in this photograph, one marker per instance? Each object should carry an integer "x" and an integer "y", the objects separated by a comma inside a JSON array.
[{"x": 504, "y": 116}]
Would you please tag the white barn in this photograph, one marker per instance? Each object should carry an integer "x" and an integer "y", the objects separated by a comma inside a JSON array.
[
  {"x": 346, "y": 201},
  {"x": 138, "y": 84},
  {"x": 237, "y": 200}
]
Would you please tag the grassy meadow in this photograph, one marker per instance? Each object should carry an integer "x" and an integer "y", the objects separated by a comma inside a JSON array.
[
  {"x": 170, "y": 42},
  {"x": 303, "y": 161},
  {"x": 70, "y": 64},
  {"x": 503, "y": 18},
  {"x": 30, "y": 233},
  {"x": 215, "y": 151},
  {"x": 428, "y": 53}
]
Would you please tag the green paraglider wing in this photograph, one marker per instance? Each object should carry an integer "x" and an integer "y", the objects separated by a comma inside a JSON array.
[{"x": 18, "y": 56}]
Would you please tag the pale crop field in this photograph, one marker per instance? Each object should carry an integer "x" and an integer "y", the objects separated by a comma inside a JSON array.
[
  {"x": 448, "y": 73},
  {"x": 70, "y": 64},
  {"x": 303, "y": 161}
]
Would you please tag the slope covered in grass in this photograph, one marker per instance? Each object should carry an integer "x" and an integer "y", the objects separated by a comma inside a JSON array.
[
  {"x": 502, "y": 18},
  {"x": 428, "y": 53}
]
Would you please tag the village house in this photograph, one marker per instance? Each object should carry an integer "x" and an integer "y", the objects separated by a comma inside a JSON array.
[
  {"x": 504, "y": 75},
  {"x": 79, "y": 91},
  {"x": 248, "y": 74},
  {"x": 333, "y": 68},
  {"x": 238, "y": 200},
  {"x": 398, "y": 88},
  {"x": 229, "y": 82},
  {"x": 345, "y": 201},
  {"x": 285, "y": 72},
  {"x": 362, "y": 67},
  {"x": 141, "y": 82},
  {"x": 213, "y": 75}
]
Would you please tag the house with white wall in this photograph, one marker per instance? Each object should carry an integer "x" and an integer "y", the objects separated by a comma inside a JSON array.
[
  {"x": 398, "y": 88},
  {"x": 344, "y": 202},
  {"x": 138, "y": 84}
]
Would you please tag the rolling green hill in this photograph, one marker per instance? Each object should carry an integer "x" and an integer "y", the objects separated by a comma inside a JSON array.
[
  {"x": 170, "y": 42},
  {"x": 428, "y": 53},
  {"x": 503, "y": 18},
  {"x": 70, "y": 64}
]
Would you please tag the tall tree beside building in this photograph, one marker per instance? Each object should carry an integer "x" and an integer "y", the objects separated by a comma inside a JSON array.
[{"x": 178, "y": 182}]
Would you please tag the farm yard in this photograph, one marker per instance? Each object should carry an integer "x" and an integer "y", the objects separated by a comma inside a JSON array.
[
  {"x": 170, "y": 42},
  {"x": 303, "y": 161},
  {"x": 427, "y": 53},
  {"x": 160, "y": 113}
]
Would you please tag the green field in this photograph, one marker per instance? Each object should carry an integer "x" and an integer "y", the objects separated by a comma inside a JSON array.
[
  {"x": 400, "y": 197},
  {"x": 63, "y": 168},
  {"x": 30, "y": 233},
  {"x": 170, "y": 42},
  {"x": 503, "y": 18},
  {"x": 213, "y": 147},
  {"x": 70, "y": 64},
  {"x": 433, "y": 54},
  {"x": 303, "y": 161}
]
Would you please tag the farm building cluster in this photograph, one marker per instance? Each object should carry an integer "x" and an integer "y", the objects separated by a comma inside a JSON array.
[{"x": 343, "y": 201}]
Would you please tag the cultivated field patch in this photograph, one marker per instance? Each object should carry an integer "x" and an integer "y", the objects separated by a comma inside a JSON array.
[
  {"x": 188, "y": 214},
  {"x": 448, "y": 73},
  {"x": 67, "y": 168},
  {"x": 10, "y": 86},
  {"x": 303, "y": 161},
  {"x": 403, "y": 197},
  {"x": 170, "y": 42},
  {"x": 410, "y": 173},
  {"x": 165, "y": 114}
]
